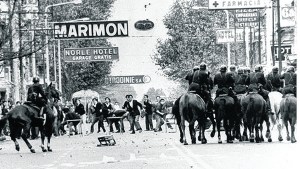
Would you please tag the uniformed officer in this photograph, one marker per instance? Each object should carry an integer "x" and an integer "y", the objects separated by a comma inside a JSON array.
[
  {"x": 36, "y": 94},
  {"x": 224, "y": 81},
  {"x": 290, "y": 81},
  {"x": 189, "y": 76},
  {"x": 240, "y": 82},
  {"x": 201, "y": 83},
  {"x": 273, "y": 78}
]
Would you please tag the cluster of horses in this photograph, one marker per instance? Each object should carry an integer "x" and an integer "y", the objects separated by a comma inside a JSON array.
[
  {"x": 250, "y": 113},
  {"x": 23, "y": 117}
]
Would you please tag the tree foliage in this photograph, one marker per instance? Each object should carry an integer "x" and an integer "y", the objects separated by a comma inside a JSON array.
[
  {"x": 152, "y": 93},
  {"x": 191, "y": 40},
  {"x": 85, "y": 75}
]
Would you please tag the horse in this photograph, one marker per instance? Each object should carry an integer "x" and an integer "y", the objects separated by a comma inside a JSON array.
[
  {"x": 190, "y": 107},
  {"x": 224, "y": 110},
  {"x": 275, "y": 99},
  {"x": 254, "y": 110},
  {"x": 240, "y": 118},
  {"x": 288, "y": 110},
  {"x": 23, "y": 117}
]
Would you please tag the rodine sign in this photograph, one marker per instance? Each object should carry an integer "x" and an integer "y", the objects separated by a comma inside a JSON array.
[{"x": 94, "y": 29}]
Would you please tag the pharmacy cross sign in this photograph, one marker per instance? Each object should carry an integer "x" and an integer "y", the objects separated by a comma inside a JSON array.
[{"x": 236, "y": 4}]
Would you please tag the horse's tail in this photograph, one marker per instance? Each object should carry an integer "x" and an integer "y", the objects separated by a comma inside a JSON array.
[
  {"x": 286, "y": 108},
  {"x": 3, "y": 122}
]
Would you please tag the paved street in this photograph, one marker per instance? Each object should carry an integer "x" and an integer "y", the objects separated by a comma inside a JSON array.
[{"x": 150, "y": 150}]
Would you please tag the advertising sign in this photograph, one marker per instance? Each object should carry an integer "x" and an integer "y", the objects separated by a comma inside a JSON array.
[
  {"x": 92, "y": 29},
  {"x": 228, "y": 35},
  {"x": 246, "y": 17},
  {"x": 288, "y": 16},
  {"x": 134, "y": 79},
  {"x": 236, "y": 4},
  {"x": 91, "y": 54},
  {"x": 285, "y": 50}
]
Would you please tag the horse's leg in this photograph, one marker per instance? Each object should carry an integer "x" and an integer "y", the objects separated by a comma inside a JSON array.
[
  {"x": 13, "y": 135},
  {"x": 257, "y": 126},
  {"x": 183, "y": 131},
  {"x": 24, "y": 135},
  {"x": 285, "y": 122},
  {"x": 211, "y": 117},
  {"x": 268, "y": 133},
  {"x": 180, "y": 130},
  {"x": 292, "y": 123},
  {"x": 218, "y": 128},
  {"x": 48, "y": 143},
  {"x": 279, "y": 127},
  {"x": 43, "y": 139},
  {"x": 202, "y": 129},
  {"x": 192, "y": 131},
  {"x": 261, "y": 131}
]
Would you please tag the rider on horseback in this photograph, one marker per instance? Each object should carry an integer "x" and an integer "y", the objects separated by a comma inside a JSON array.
[
  {"x": 190, "y": 75},
  {"x": 36, "y": 95},
  {"x": 256, "y": 81},
  {"x": 224, "y": 81},
  {"x": 240, "y": 82},
  {"x": 290, "y": 81},
  {"x": 273, "y": 79}
]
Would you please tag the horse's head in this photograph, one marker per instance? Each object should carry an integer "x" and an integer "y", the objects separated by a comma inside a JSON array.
[{"x": 51, "y": 92}]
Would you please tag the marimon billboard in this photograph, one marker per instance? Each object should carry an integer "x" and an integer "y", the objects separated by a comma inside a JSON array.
[{"x": 91, "y": 29}]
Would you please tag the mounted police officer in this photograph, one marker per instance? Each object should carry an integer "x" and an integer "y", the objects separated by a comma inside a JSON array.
[
  {"x": 256, "y": 81},
  {"x": 224, "y": 81},
  {"x": 240, "y": 82},
  {"x": 273, "y": 80},
  {"x": 290, "y": 81},
  {"x": 36, "y": 95},
  {"x": 190, "y": 75}
]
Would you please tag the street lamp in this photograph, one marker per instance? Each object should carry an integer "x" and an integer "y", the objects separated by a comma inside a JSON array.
[{"x": 46, "y": 39}]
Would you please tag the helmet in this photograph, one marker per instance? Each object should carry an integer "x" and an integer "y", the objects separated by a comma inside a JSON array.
[
  {"x": 36, "y": 80},
  {"x": 223, "y": 68},
  {"x": 257, "y": 68},
  {"x": 232, "y": 67},
  {"x": 240, "y": 70},
  {"x": 247, "y": 70},
  {"x": 275, "y": 69},
  {"x": 196, "y": 68},
  {"x": 202, "y": 66},
  {"x": 291, "y": 69}
]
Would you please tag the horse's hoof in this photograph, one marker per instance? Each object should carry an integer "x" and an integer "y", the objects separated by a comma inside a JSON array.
[
  {"x": 229, "y": 141},
  {"x": 268, "y": 134},
  {"x": 181, "y": 140},
  {"x": 288, "y": 138},
  {"x": 257, "y": 140},
  {"x": 193, "y": 141},
  {"x": 293, "y": 141},
  {"x": 251, "y": 140},
  {"x": 185, "y": 143},
  {"x": 17, "y": 147},
  {"x": 262, "y": 139},
  {"x": 204, "y": 141},
  {"x": 32, "y": 150},
  {"x": 43, "y": 149},
  {"x": 49, "y": 149},
  {"x": 280, "y": 138},
  {"x": 220, "y": 141},
  {"x": 269, "y": 140},
  {"x": 212, "y": 134},
  {"x": 199, "y": 138}
]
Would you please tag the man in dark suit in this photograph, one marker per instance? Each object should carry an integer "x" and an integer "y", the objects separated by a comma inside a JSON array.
[{"x": 132, "y": 106}]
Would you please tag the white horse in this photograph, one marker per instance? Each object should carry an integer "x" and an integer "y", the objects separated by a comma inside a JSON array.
[{"x": 275, "y": 116}]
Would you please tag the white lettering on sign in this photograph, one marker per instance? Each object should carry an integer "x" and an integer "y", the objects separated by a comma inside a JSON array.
[
  {"x": 91, "y": 54},
  {"x": 236, "y": 4},
  {"x": 230, "y": 35},
  {"x": 138, "y": 79},
  {"x": 90, "y": 29}
]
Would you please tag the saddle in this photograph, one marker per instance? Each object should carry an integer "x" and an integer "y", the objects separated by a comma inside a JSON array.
[{"x": 32, "y": 105}]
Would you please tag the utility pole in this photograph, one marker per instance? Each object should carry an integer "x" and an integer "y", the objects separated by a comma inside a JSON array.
[
  {"x": 279, "y": 36},
  {"x": 20, "y": 50},
  {"x": 273, "y": 34},
  {"x": 259, "y": 39}
]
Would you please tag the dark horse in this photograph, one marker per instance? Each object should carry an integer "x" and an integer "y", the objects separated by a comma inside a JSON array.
[
  {"x": 190, "y": 107},
  {"x": 254, "y": 111},
  {"x": 23, "y": 117},
  {"x": 288, "y": 110},
  {"x": 224, "y": 110}
]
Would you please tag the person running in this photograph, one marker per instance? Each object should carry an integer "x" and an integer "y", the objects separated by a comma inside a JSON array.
[
  {"x": 148, "y": 116},
  {"x": 98, "y": 116}
]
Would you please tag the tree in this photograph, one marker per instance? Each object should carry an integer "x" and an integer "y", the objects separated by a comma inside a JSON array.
[
  {"x": 152, "y": 93},
  {"x": 192, "y": 40},
  {"x": 87, "y": 75}
]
